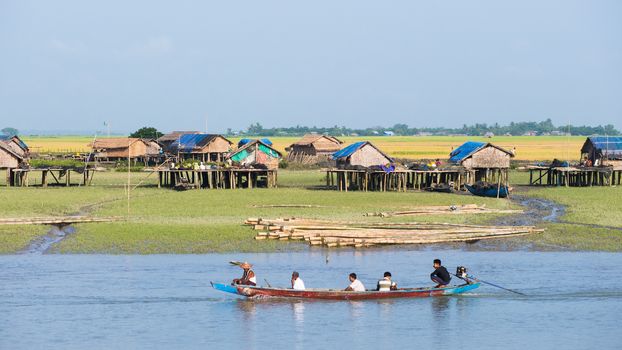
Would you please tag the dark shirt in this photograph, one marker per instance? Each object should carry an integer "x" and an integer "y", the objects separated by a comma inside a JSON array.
[{"x": 441, "y": 273}]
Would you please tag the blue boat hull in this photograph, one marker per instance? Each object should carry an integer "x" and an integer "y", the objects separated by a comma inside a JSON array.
[{"x": 329, "y": 294}]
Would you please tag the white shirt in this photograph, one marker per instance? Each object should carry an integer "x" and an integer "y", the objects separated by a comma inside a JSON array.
[
  {"x": 299, "y": 284},
  {"x": 357, "y": 286}
]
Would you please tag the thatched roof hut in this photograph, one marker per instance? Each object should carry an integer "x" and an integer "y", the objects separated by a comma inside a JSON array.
[
  {"x": 603, "y": 150},
  {"x": 119, "y": 148},
  {"x": 9, "y": 158},
  {"x": 16, "y": 144},
  {"x": 206, "y": 147},
  {"x": 361, "y": 154},
  {"x": 483, "y": 160},
  {"x": 473, "y": 155},
  {"x": 256, "y": 154},
  {"x": 313, "y": 148}
]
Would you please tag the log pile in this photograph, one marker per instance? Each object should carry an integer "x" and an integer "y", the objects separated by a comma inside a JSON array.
[
  {"x": 447, "y": 209},
  {"x": 359, "y": 234}
]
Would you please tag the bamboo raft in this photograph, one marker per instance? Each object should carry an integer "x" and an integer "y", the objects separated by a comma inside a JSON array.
[
  {"x": 447, "y": 209},
  {"x": 359, "y": 234}
]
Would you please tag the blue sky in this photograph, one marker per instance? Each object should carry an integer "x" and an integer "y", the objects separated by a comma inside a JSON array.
[{"x": 71, "y": 65}]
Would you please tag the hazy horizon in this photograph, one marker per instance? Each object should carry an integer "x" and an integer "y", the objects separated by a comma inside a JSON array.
[{"x": 72, "y": 65}]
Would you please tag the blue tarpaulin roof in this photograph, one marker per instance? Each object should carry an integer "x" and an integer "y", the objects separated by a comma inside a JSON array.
[
  {"x": 348, "y": 150},
  {"x": 611, "y": 146},
  {"x": 465, "y": 150},
  {"x": 189, "y": 142},
  {"x": 242, "y": 142},
  {"x": 607, "y": 142}
]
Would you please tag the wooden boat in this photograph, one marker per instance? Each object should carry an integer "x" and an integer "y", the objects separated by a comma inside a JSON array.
[
  {"x": 332, "y": 294},
  {"x": 488, "y": 191}
]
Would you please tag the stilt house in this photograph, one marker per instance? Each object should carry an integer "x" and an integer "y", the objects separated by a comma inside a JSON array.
[
  {"x": 360, "y": 155},
  {"x": 119, "y": 148},
  {"x": 9, "y": 158},
  {"x": 256, "y": 154},
  {"x": 603, "y": 150},
  {"x": 483, "y": 161},
  {"x": 16, "y": 144},
  {"x": 204, "y": 147},
  {"x": 313, "y": 148}
]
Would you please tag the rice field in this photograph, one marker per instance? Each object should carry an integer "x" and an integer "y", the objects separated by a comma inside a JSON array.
[{"x": 528, "y": 148}]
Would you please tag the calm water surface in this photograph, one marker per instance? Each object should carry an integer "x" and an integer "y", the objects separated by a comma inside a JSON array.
[{"x": 165, "y": 301}]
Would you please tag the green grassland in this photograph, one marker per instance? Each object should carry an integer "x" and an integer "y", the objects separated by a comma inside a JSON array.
[{"x": 202, "y": 221}]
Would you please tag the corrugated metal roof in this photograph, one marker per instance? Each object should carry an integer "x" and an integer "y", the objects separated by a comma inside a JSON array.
[
  {"x": 348, "y": 150},
  {"x": 465, "y": 150}
]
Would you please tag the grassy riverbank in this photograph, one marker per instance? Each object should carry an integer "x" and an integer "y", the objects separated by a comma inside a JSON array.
[
  {"x": 165, "y": 221},
  {"x": 592, "y": 218},
  {"x": 409, "y": 147}
]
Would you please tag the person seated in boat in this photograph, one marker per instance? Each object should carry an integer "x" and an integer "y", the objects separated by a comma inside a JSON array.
[
  {"x": 297, "y": 282},
  {"x": 355, "y": 284},
  {"x": 386, "y": 284},
  {"x": 440, "y": 276},
  {"x": 248, "y": 276}
]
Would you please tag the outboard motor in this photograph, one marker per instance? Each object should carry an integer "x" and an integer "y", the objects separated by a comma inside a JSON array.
[{"x": 461, "y": 272}]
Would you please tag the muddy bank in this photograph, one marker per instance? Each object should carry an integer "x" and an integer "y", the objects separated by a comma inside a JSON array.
[
  {"x": 536, "y": 211},
  {"x": 42, "y": 245}
]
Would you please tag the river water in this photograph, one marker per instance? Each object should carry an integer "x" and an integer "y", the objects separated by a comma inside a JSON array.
[{"x": 165, "y": 301}]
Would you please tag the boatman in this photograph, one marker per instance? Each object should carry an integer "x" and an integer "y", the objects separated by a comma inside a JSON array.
[
  {"x": 386, "y": 284},
  {"x": 355, "y": 285},
  {"x": 248, "y": 277},
  {"x": 297, "y": 282},
  {"x": 440, "y": 276}
]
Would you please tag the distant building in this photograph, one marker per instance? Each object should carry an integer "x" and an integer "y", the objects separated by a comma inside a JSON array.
[
  {"x": 361, "y": 154},
  {"x": 559, "y": 133},
  {"x": 489, "y": 134},
  {"x": 389, "y": 133},
  {"x": 530, "y": 133},
  {"x": 313, "y": 148}
]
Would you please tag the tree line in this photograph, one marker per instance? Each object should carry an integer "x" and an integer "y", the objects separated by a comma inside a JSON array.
[{"x": 545, "y": 127}]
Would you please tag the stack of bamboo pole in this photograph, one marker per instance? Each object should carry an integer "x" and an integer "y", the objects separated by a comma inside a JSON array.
[
  {"x": 356, "y": 234},
  {"x": 447, "y": 209}
]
